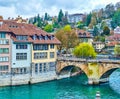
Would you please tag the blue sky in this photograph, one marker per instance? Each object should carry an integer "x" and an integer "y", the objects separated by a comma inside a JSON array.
[{"x": 29, "y": 8}]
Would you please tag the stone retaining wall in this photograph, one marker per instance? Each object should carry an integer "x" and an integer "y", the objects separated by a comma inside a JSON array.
[{"x": 8, "y": 80}]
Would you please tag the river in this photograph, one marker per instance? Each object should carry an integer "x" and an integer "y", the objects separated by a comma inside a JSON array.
[{"x": 69, "y": 88}]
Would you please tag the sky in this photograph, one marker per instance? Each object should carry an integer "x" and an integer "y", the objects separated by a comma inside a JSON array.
[{"x": 30, "y": 8}]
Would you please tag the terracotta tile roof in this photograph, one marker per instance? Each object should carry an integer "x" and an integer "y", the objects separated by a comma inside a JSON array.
[
  {"x": 83, "y": 33},
  {"x": 29, "y": 30},
  {"x": 114, "y": 37},
  {"x": 112, "y": 43}
]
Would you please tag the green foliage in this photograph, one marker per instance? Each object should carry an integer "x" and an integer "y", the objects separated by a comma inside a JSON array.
[
  {"x": 106, "y": 31},
  {"x": 67, "y": 28},
  {"x": 117, "y": 50},
  {"x": 95, "y": 31},
  {"x": 48, "y": 28},
  {"x": 116, "y": 19},
  {"x": 46, "y": 16},
  {"x": 84, "y": 50},
  {"x": 80, "y": 25},
  {"x": 88, "y": 20},
  {"x": 60, "y": 16},
  {"x": 109, "y": 10},
  {"x": 103, "y": 24},
  {"x": 99, "y": 38}
]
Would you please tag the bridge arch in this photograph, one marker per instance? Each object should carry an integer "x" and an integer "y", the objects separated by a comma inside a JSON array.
[
  {"x": 69, "y": 65},
  {"x": 108, "y": 70}
]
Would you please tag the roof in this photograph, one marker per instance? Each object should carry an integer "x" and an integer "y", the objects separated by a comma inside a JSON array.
[
  {"x": 83, "y": 33},
  {"x": 114, "y": 37},
  {"x": 29, "y": 30},
  {"x": 98, "y": 42},
  {"x": 76, "y": 14}
]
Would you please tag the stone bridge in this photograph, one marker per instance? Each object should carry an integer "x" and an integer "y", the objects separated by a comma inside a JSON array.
[{"x": 96, "y": 70}]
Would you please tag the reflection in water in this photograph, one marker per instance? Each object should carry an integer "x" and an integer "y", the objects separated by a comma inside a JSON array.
[{"x": 69, "y": 88}]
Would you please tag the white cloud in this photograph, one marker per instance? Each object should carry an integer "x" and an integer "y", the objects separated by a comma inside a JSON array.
[{"x": 25, "y": 8}]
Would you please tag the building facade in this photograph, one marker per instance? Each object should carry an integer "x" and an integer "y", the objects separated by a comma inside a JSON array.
[
  {"x": 98, "y": 46},
  {"x": 5, "y": 52},
  {"x": 74, "y": 18},
  {"x": 113, "y": 40},
  {"x": 25, "y": 48},
  {"x": 84, "y": 36}
]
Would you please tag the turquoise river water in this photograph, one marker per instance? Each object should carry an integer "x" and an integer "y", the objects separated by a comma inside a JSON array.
[{"x": 69, "y": 88}]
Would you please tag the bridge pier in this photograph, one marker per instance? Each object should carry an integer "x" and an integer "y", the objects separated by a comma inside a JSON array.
[{"x": 92, "y": 81}]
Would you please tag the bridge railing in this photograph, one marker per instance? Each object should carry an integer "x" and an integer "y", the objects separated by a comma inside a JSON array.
[{"x": 87, "y": 60}]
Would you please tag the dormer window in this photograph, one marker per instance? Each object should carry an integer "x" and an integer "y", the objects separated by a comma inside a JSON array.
[
  {"x": 34, "y": 37},
  {"x": 40, "y": 37},
  {"x": 46, "y": 37},
  {"x": 21, "y": 37},
  {"x": 84, "y": 34},
  {"x": 52, "y": 37},
  {"x": 79, "y": 33}
]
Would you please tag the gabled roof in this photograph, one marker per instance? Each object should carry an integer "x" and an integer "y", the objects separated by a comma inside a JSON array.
[
  {"x": 83, "y": 33},
  {"x": 29, "y": 30}
]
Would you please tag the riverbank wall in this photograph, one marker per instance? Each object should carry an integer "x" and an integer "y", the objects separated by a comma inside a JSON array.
[{"x": 21, "y": 79}]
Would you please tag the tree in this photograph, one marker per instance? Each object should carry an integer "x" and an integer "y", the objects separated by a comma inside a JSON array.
[
  {"x": 67, "y": 37},
  {"x": 93, "y": 21},
  {"x": 46, "y": 16},
  {"x": 60, "y": 35},
  {"x": 67, "y": 28},
  {"x": 95, "y": 31},
  {"x": 100, "y": 15},
  {"x": 60, "y": 16},
  {"x": 116, "y": 19},
  {"x": 88, "y": 19},
  {"x": 48, "y": 28},
  {"x": 117, "y": 5},
  {"x": 99, "y": 38},
  {"x": 106, "y": 31},
  {"x": 109, "y": 10},
  {"x": 103, "y": 24},
  {"x": 117, "y": 50},
  {"x": 84, "y": 50},
  {"x": 80, "y": 25}
]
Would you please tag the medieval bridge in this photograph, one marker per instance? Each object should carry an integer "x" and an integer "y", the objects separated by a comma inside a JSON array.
[{"x": 96, "y": 70}]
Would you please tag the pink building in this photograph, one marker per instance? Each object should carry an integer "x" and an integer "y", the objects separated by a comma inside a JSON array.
[{"x": 5, "y": 49}]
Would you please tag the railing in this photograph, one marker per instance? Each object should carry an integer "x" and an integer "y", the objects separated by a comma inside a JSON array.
[{"x": 87, "y": 60}]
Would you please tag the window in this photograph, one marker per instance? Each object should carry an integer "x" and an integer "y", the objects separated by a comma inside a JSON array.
[
  {"x": 52, "y": 66},
  {"x": 40, "y": 67},
  {"x": 4, "y": 59},
  {"x": 21, "y": 46},
  {"x": 4, "y": 50},
  {"x": 52, "y": 46},
  {"x": 36, "y": 68},
  {"x": 34, "y": 37},
  {"x": 3, "y": 67},
  {"x": 21, "y": 56},
  {"x": 2, "y": 35},
  {"x": 41, "y": 55},
  {"x": 40, "y": 37},
  {"x": 44, "y": 67},
  {"x": 21, "y": 37},
  {"x": 4, "y": 42},
  {"x": 52, "y": 37},
  {"x": 46, "y": 37},
  {"x": 52, "y": 55},
  {"x": 40, "y": 47}
]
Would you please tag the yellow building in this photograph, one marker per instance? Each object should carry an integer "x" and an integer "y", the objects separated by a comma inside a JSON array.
[{"x": 44, "y": 52}]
